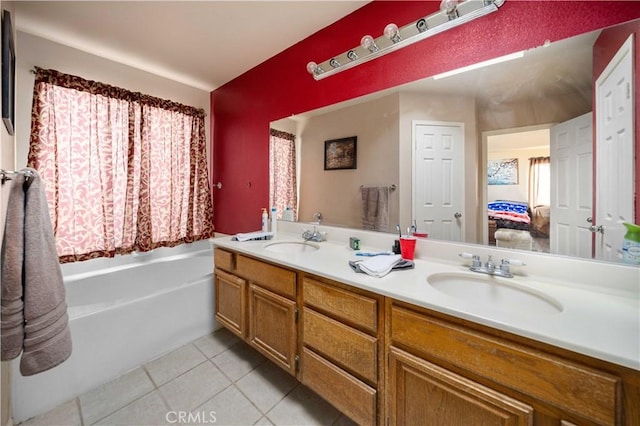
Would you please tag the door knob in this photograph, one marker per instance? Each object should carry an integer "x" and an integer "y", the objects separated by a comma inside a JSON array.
[
  {"x": 457, "y": 215},
  {"x": 594, "y": 228},
  {"x": 218, "y": 185}
]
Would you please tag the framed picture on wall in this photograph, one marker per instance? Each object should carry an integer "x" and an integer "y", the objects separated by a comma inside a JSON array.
[
  {"x": 503, "y": 172},
  {"x": 8, "y": 73},
  {"x": 341, "y": 153}
]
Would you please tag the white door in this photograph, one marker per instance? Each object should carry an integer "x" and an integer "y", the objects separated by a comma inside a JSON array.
[
  {"x": 438, "y": 179},
  {"x": 614, "y": 153},
  {"x": 571, "y": 147}
]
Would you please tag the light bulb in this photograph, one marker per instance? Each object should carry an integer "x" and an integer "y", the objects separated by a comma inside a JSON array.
[
  {"x": 450, "y": 8},
  {"x": 334, "y": 63},
  {"x": 392, "y": 32},
  {"x": 314, "y": 69},
  {"x": 352, "y": 55},
  {"x": 369, "y": 43}
]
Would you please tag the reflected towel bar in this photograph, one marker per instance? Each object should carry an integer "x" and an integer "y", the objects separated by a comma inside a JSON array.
[{"x": 392, "y": 187}]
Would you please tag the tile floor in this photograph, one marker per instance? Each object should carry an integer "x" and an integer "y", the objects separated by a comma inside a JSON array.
[{"x": 215, "y": 380}]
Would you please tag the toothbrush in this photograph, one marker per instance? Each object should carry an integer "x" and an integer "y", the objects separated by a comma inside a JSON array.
[
  {"x": 399, "y": 232},
  {"x": 382, "y": 253}
]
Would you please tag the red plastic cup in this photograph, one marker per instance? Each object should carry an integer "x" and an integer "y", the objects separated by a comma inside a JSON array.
[{"x": 407, "y": 247}]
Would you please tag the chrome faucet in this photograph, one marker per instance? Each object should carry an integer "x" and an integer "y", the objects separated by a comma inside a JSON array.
[
  {"x": 489, "y": 267},
  {"x": 314, "y": 235},
  {"x": 318, "y": 217}
]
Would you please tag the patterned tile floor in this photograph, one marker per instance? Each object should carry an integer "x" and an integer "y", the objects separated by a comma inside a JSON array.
[{"x": 214, "y": 380}]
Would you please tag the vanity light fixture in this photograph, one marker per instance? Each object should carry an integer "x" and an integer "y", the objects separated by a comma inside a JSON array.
[
  {"x": 452, "y": 14},
  {"x": 478, "y": 65}
]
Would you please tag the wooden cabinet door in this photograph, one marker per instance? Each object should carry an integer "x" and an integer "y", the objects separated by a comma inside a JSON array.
[
  {"x": 272, "y": 326},
  {"x": 422, "y": 393},
  {"x": 231, "y": 302}
]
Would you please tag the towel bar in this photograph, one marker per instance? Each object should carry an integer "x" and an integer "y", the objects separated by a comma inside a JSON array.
[
  {"x": 6, "y": 175},
  {"x": 392, "y": 187}
]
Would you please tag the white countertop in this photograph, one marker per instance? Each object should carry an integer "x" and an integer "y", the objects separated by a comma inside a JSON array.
[{"x": 601, "y": 324}]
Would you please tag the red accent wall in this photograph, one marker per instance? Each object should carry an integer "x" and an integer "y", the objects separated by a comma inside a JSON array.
[
  {"x": 605, "y": 47},
  {"x": 279, "y": 87}
]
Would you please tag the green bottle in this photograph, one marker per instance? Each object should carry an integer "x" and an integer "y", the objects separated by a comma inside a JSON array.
[{"x": 631, "y": 244}]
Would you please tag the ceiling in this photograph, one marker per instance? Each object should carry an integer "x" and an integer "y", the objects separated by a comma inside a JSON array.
[{"x": 203, "y": 44}]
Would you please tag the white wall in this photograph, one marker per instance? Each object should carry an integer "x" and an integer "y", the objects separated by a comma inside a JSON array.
[
  {"x": 336, "y": 193},
  {"x": 36, "y": 51}
]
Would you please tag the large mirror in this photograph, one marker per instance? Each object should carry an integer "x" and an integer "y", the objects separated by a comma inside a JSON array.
[{"x": 463, "y": 156}]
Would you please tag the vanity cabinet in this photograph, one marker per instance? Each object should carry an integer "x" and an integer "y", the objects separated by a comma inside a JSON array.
[
  {"x": 381, "y": 361},
  {"x": 341, "y": 347},
  {"x": 257, "y": 301},
  {"x": 457, "y": 367}
]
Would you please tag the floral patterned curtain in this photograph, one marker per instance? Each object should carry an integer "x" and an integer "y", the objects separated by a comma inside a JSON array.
[
  {"x": 122, "y": 171},
  {"x": 283, "y": 190}
]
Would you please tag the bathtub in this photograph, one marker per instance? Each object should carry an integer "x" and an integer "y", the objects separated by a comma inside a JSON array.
[{"x": 123, "y": 312}]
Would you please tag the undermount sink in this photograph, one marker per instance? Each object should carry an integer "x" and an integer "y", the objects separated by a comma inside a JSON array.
[
  {"x": 493, "y": 292},
  {"x": 292, "y": 247}
]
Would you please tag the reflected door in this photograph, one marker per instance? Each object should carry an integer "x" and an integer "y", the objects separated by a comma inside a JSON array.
[
  {"x": 571, "y": 148},
  {"x": 614, "y": 153},
  {"x": 438, "y": 179}
]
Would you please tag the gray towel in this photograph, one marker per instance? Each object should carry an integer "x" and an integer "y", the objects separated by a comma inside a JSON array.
[
  {"x": 37, "y": 324},
  {"x": 375, "y": 208}
]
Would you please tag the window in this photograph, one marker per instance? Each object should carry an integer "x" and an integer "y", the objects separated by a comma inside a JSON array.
[
  {"x": 539, "y": 181},
  {"x": 122, "y": 171},
  {"x": 283, "y": 190}
]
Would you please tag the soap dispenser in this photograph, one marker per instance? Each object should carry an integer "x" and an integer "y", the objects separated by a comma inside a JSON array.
[
  {"x": 265, "y": 220},
  {"x": 287, "y": 214},
  {"x": 631, "y": 244}
]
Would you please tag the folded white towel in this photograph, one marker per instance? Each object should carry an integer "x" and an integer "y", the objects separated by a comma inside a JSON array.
[
  {"x": 250, "y": 236},
  {"x": 379, "y": 266}
]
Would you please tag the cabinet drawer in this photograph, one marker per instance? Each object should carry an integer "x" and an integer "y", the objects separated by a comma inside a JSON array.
[
  {"x": 353, "y": 350},
  {"x": 572, "y": 387},
  {"x": 350, "y": 307},
  {"x": 274, "y": 278},
  {"x": 224, "y": 259},
  {"x": 230, "y": 302},
  {"x": 343, "y": 391}
]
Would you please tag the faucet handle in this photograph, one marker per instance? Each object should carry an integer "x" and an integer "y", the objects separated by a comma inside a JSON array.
[
  {"x": 506, "y": 263},
  {"x": 474, "y": 257}
]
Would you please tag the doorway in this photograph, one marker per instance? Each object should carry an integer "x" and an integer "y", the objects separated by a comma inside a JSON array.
[{"x": 516, "y": 146}]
